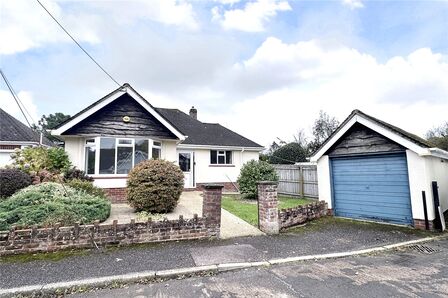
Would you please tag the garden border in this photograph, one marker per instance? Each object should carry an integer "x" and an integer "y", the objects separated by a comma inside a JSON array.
[{"x": 45, "y": 239}]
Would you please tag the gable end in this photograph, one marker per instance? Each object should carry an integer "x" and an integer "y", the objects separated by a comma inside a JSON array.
[
  {"x": 108, "y": 121},
  {"x": 360, "y": 139}
]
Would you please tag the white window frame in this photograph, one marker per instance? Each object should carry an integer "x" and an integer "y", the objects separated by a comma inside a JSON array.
[
  {"x": 117, "y": 144},
  {"x": 221, "y": 153},
  {"x": 156, "y": 146},
  {"x": 96, "y": 144}
]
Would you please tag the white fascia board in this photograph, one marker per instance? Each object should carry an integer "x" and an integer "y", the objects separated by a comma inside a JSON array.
[
  {"x": 436, "y": 152},
  {"x": 375, "y": 127},
  {"x": 333, "y": 140},
  {"x": 211, "y": 147},
  {"x": 110, "y": 99},
  {"x": 79, "y": 118}
]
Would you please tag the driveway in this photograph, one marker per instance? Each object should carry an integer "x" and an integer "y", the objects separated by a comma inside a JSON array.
[
  {"x": 190, "y": 203},
  {"x": 404, "y": 273}
]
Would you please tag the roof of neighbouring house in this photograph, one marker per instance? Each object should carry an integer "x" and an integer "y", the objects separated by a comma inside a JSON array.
[
  {"x": 392, "y": 128},
  {"x": 200, "y": 133},
  {"x": 12, "y": 130}
]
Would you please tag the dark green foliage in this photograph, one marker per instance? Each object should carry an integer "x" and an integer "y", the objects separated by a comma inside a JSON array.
[
  {"x": 50, "y": 122},
  {"x": 155, "y": 186},
  {"x": 289, "y": 154},
  {"x": 86, "y": 186},
  {"x": 74, "y": 173},
  {"x": 12, "y": 180},
  {"x": 49, "y": 203},
  {"x": 251, "y": 173}
]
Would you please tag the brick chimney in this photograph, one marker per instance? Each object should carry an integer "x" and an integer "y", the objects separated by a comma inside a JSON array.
[{"x": 193, "y": 113}]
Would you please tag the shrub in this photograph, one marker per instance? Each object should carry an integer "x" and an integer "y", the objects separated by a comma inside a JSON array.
[
  {"x": 12, "y": 180},
  {"x": 35, "y": 159},
  {"x": 49, "y": 203},
  {"x": 289, "y": 154},
  {"x": 74, "y": 173},
  {"x": 87, "y": 187},
  {"x": 154, "y": 186},
  {"x": 45, "y": 176},
  {"x": 253, "y": 172}
]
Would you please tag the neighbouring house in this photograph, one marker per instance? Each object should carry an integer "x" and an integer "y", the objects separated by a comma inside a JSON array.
[
  {"x": 369, "y": 169},
  {"x": 16, "y": 135},
  {"x": 108, "y": 138}
]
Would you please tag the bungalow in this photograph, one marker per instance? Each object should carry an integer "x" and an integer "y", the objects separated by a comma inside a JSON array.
[
  {"x": 16, "y": 135},
  {"x": 369, "y": 169},
  {"x": 108, "y": 138}
]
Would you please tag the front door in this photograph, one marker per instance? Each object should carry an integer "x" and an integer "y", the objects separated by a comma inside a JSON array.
[{"x": 186, "y": 164}]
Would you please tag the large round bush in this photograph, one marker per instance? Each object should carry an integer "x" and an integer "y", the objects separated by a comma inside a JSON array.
[
  {"x": 49, "y": 203},
  {"x": 155, "y": 186},
  {"x": 12, "y": 180},
  {"x": 253, "y": 172}
]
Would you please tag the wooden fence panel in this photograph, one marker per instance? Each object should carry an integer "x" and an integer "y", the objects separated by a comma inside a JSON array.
[{"x": 297, "y": 180}]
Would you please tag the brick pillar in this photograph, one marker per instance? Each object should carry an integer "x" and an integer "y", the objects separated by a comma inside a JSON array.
[
  {"x": 268, "y": 207},
  {"x": 211, "y": 204}
]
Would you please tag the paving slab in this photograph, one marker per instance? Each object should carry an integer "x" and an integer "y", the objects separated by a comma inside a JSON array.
[{"x": 224, "y": 254}]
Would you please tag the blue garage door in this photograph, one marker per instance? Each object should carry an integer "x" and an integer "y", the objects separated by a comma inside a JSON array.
[{"x": 372, "y": 187}]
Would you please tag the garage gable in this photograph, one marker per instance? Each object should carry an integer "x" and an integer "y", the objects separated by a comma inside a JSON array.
[
  {"x": 360, "y": 139},
  {"x": 391, "y": 132}
]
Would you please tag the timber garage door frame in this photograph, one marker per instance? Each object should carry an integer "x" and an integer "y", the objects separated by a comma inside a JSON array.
[{"x": 373, "y": 155}]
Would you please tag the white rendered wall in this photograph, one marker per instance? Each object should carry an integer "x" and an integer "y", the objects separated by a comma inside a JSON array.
[
  {"x": 419, "y": 180},
  {"x": 169, "y": 151},
  {"x": 438, "y": 171},
  {"x": 5, "y": 158},
  {"x": 74, "y": 146},
  {"x": 324, "y": 180},
  {"x": 206, "y": 173}
]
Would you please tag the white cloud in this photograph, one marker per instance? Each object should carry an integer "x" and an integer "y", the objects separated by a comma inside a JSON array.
[
  {"x": 169, "y": 12},
  {"x": 8, "y": 104},
  {"x": 252, "y": 17},
  {"x": 294, "y": 81},
  {"x": 353, "y": 4},
  {"x": 25, "y": 25}
]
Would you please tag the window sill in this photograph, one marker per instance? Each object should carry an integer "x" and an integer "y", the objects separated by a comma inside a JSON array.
[
  {"x": 222, "y": 166},
  {"x": 109, "y": 176}
]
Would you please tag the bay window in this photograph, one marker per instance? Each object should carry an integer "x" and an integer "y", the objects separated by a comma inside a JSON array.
[
  {"x": 109, "y": 156},
  {"x": 220, "y": 157},
  {"x": 90, "y": 152},
  {"x": 156, "y": 150}
]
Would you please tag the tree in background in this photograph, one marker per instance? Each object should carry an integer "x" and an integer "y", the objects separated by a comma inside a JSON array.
[
  {"x": 439, "y": 136},
  {"x": 50, "y": 122},
  {"x": 289, "y": 154},
  {"x": 323, "y": 127}
]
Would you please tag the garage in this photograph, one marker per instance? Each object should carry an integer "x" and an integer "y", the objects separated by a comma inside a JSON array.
[
  {"x": 372, "y": 187},
  {"x": 371, "y": 170}
]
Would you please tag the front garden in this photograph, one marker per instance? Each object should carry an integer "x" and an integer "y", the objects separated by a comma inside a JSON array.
[
  {"x": 42, "y": 188},
  {"x": 247, "y": 209},
  {"x": 245, "y": 205}
]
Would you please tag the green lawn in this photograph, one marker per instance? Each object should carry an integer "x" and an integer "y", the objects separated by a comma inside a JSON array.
[{"x": 248, "y": 209}]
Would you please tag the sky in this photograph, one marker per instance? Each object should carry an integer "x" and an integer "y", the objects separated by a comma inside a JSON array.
[{"x": 263, "y": 68}]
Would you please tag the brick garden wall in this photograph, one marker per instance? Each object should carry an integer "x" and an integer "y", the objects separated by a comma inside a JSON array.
[
  {"x": 301, "y": 214},
  {"x": 46, "y": 239},
  {"x": 86, "y": 236},
  {"x": 271, "y": 220}
]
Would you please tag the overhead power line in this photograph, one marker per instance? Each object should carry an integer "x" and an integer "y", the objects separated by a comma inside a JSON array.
[
  {"x": 77, "y": 43},
  {"x": 16, "y": 98}
]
